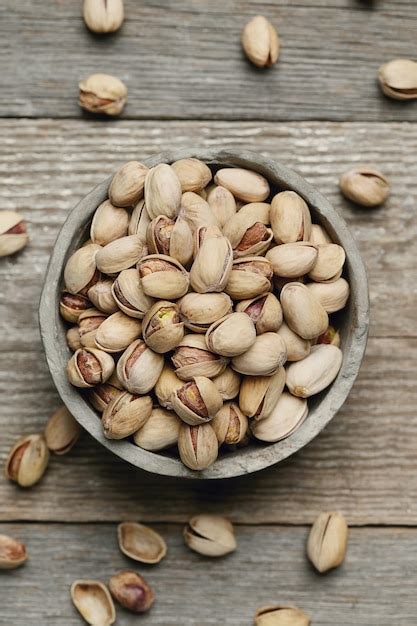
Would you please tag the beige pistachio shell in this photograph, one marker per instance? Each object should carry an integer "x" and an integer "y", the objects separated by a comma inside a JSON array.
[
  {"x": 398, "y": 79},
  {"x": 166, "y": 384},
  {"x": 260, "y": 42},
  {"x": 160, "y": 431},
  {"x": 327, "y": 542},
  {"x": 199, "y": 310},
  {"x": 244, "y": 184},
  {"x": 197, "y": 211},
  {"x": 198, "y": 446},
  {"x": 125, "y": 415},
  {"x": 13, "y": 235},
  {"x": 286, "y": 417},
  {"x": 101, "y": 296},
  {"x": 263, "y": 358},
  {"x": 73, "y": 338},
  {"x": 103, "y": 94},
  {"x": 72, "y": 305},
  {"x": 319, "y": 235},
  {"x": 258, "y": 395},
  {"x": 139, "y": 367},
  {"x": 12, "y": 553},
  {"x": 163, "y": 277},
  {"x": 230, "y": 424},
  {"x": 103, "y": 17},
  {"x": 162, "y": 191},
  {"x": 297, "y": 347},
  {"x": 329, "y": 262},
  {"x": 192, "y": 173},
  {"x": 332, "y": 296},
  {"x": 316, "y": 372},
  {"x": 212, "y": 265},
  {"x": 290, "y": 218},
  {"x": 109, "y": 223},
  {"x": 250, "y": 277},
  {"x": 141, "y": 543},
  {"x": 365, "y": 185},
  {"x": 139, "y": 221},
  {"x": 89, "y": 367},
  {"x": 93, "y": 601},
  {"x": 162, "y": 329},
  {"x": 62, "y": 431},
  {"x": 129, "y": 296},
  {"x": 81, "y": 269},
  {"x": 117, "y": 332},
  {"x": 302, "y": 311},
  {"x": 231, "y": 335},
  {"x": 281, "y": 615},
  {"x": 27, "y": 460},
  {"x": 210, "y": 535},
  {"x": 290, "y": 260},
  {"x": 127, "y": 185},
  {"x": 222, "y": 204},
  {"x": 265, "y": 312},
  {"x": 193, "y": 358},
  {"x": 120, "y": 254},
  {"x": 88, "y": 322},
  {"x": 101, "y": 395},
  {"x": 197, "y": 402},
  {"x": 174, "y": 238},
  {"x": 132, "y": 591},
  {"x": 228, "y": 383},
  {"x": 247, "y": 230}
]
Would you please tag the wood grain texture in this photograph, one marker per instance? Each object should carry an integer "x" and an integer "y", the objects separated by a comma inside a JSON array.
[{"x": 184, "y": 59}]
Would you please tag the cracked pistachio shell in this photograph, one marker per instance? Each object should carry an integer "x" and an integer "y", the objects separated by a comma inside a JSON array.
[
  {"x": 319, "y": 235},
  {"x": 212, "y": 265},
  {"x": 13, "y": 235},
  {"x": 198, "y": 446},
  {"x": 117, "y": 332},
  {"x": 139, "y": 367},
  {"x": 101, "y": 296},
  {"x": 258, "y": 395},
  {"x": 141, "y": 543},
  {"x": 129, "y": 296},
  {"x": 103, "y": 94},
  {"x": 286, "y": 417},
  {"x": 260, "y": 42},
  {"x": 230, "y": 424},
  {"x": 139, "y": 221},
  {"x": 365, "y": 185},
  {"x": 197, "y": 401},
  {"x": 93, "y": 601},
  {"x": 263, "y": 358},
  {"x": 297, "y": 347},
  {"x": 131, "y": 591},
  {"x": 332, "y": 296},
  {"x": 203, "y": 232},
  {"x": 265, "y": 312},
  {"x": 199, "y": 310},
  {"x": 101, "y": 395},
  {"x": 12, "y": 552},
  {"x": 290, "y": 218},
  {"x": 125, "y": 415},
  {"x": 228, "y": 383},
  {"x": 73, "y": 338},
  {"x": 88, "y": 323},
  {"x": 247, "y": 230},
  {"x": 281, "y": 615},
  {"x": 166, "y": 384},
  {"x": 193, "y": 358},
  {"x": 193, "y": 174},
  {"x": 109, "y": 223},
  {"x": 173, "y": 238},
  {"x": 222, "y": 204},
  {"x": 127, "y": 185},
  {"x": 159, "y": 432},
  {"x": 89, "y": 367},
  {"x": 162, "y": 328},
  {"x": 316, "y": 372},
  {"x": 250, "y": 277},
  {"x": 103, "y": 16},
  {"x": 327, "y": 541},
  {"x": 210, "y": 535},
  {"x": 197, "y": 211},
  {"x": 27, "y": 460},
  {"x": 302, "y": 311},
  {"x": 62, "y": 431},
  {"x": 163, "y": 277},
  {"x": 329, "y": 262},
  {"x": 290, "y": 260},
  {"x": 162, "y": 192},
  {"x": 81, "y": 271},
  {"x": 72, "y": 305},
  {"x": 231, "y": 335},
  {"x": 398, "y": 79},
  {"x": 244, "y": 184},
  {"x": 120, "y": 254}
]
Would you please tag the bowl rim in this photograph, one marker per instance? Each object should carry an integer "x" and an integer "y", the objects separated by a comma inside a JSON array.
[{"x": 246, "y": 460}]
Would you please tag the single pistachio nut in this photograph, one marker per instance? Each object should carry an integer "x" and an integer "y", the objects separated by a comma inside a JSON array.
[
  {"x": 365, "y": 185},
  {"x": 117, "y": 332},
  {"x": 332, "y": 296},
  {"x": 141, "y": 543},
  {"x": 81, "y": 271},
  {"x": 290, "y": 218},
  {"x": 89, "y": 367},
  {"x": 109, "y": 223},
  {"x": 72, "y": 305},
  {"x": 73, "y": 339},
  {"x": 319, "y": 235},
  {"x": 197, "y": 401},
  {"x": 398, "y": 79},
  {"x": 247, "y": 230},
  {"x": 13, "y": 233},
  {"x": 331, "y": 336},
  {"x": 259, "y": 395},
  {"x": 27, "y": 460},
  {"x": 163, "y": 277},
  {"x": 231, "y": 335},
  {"x": 12, "y": 552},
  {"x": 230, "y": 424},
  {"x": 93, "y": 601},
  {"x": 127, "y": 185},
  {"x": 290, "y": 260},
  {"x": 265, "y": 312},
  {"x": 281, "y": 615},
  {"x": 131, "y": 591},
  {"x": 250, "y": 277},
  {"x": 162, "y": 328},
  {"x": 297, "y": 347},
  {"x": 197, "y": 446},
  {"x": 165, "y": 386},
  {"x": 329, "y": 262},
  {"x": 302, "y": 311},
  {"x": 139, "y": 367},
  {"x": 260, "y": 42},
  {"x": 286, "y": 417},
  {"x": 197, "y": 211},
  {"x": 244, "y": 184},
  {"x": 193, "y": 358},
  {"x": 129, "y": 296},
  {"x": 120, "y": 254},
  {"x": 192, "y": 173},
  {"x": 139, "y": 221},
  {"x": 228, "y": 383},
  {"x": 88, "y": 323},
  {"x": 170, "y": 237},
  {"x": 263, "y": 358},
  {"x": 125, "y": 415},
  {"x": 101, "y": 296},
  {"x": 222, "y": 204},
  {"x": 160, "y": 431},
  {"x": 101, "y": 395},
  {"x": 210, "y": 535},
  {"x": 212, "y": 265},
  {"x": 316, "y": 372},
  {"x": 199, "y": 310},
  {"x": 162, "y": 192},
  {"x": 103, "y": 94},
  {"x": 327, "y": 541},
  {"x": 103, "y": 16},
  {"x": 62, "y": 431}
]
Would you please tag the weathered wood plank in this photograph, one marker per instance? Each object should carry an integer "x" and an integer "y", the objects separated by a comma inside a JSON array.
[
  {"x": 269, "y": 566},
  {"x": 184, "y": 60}
]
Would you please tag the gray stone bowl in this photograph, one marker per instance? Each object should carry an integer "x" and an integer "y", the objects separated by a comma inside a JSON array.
[{"x": 353, "y": 325}]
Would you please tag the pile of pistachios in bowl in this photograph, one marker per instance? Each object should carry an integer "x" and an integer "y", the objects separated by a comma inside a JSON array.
[{"x": 199, "y": 309}]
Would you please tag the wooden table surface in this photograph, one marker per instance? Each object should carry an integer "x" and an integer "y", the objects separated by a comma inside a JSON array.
[{"x": 319, "y": 111}]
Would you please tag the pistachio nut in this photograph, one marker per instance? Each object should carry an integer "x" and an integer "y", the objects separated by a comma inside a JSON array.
[
  {"x": 103, "y": 94},
  {"x": 81, "y": 271},
  {"x": 244, "y": 184},
  {"x": 108, "y": 223},
  {"x": 199, "y": 310},
  {"x": 286, "y": 417},
  {"x": 327, "y": 541},
  {"x": 162, "y": 192},
  {"x": 331, "y": 336},
  {"x": 62, "y": 431},
  {"x": 73, "y": 339},
  {"x": 103, "y": 16},
  {"x": 162, "y": 328},
  {"x": 247, "y": 231},
  {"x": 316, "y": 372},
  {"x": 197, "y": 401},
  {"x": 212, "y": 265},
  {"x": 290, "y": 260},
  {"x": 332, "y": 296},
  {"x": 302, "y": 311},
  {"x": 231, "y": 335},
  {"x": 139, "y": 367},
  {"x": 125, "y": 415},
  {"x": 120, "y": 254},
  {"x": 172, "y": 238},
  {"x": 265, "y": 312},
  {"x": 290, "y": 218},
  {"x": 72, "y": 305},
  {"x": 193, "y": 358},
  {"x": 163, "y": 277},
  {"x": 258, "y": 395},
  {"x": 88, "y": 323},
  {"x": 102, "y": 298},
  {"x": 210, "y": 535},
  {"x": 250, "y": 276},
  {"x": 89, "y": 367},
  {"x": 13, "y": 233},
  {"x": 139, "y": 221},
  {"x": 297, "y": 347},
  {"x": 263, "y": 358},
  {"x": 93, "y": 601},
  {"x": 281, "y": 615},
  {"x": 398, "y": 79},
  {"x": 141, "y": 543},
  {"x": 192, "y": 173},
  {"x": 197, "y": 211},
  {"x": 127, "y": 185},
  {"x": 260, "y": 42},
  {"x": 198, "y": 446},
  {"x": 165, "y": 386},
  {"x": 228, "y": 383},
  {"x": 129, "y": 296},
  {"x": 329, "y": 262},
  {"x": 160, "y": 431},
  {"x": 319, "y": 235},
  {"x": 365, "y": 185},
  {"x": 101, "y": 395},
  {"x": 230, "y": 424},
  {"x": 117, "y": 332},
  {"x": 12, "y": 552},
  {"x": 27, "y": 460},
  {"x": 222, "y": 204},
  {"x": 131, "y": 591}
]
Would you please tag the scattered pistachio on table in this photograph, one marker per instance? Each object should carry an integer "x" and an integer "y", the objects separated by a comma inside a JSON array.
[
  {"x": 327, "y": 541},
  {"x": 210, "y": 535},
  {"x": 260, "y": 42},
  {"x": 398, "y": 79},
  {"x": 12, "y": 552},
  {"x": 281, "y": 615},
  {"x": 103, "y": 94},
  {"x": 131, "y": 591},
  {"x": 27, "y": 460},
  {"x": 365, "y": 186},
  {"x": 62, "y": 431},
  {"x": 141, "y": 543},
  {"x": 103, "y": 16},
  {"x": 93, "y": 601},
  {"x": 13, "y": 233}
]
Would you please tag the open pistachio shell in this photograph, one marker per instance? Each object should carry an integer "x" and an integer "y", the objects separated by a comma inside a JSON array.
[
  {"x": 62, "y": 431},
  {"x": 281, "y": 615},
  {"x": 231, "y": 335},
  {"x": 13, "y": 234},
  {"x": 163, "y": 277},
  {"x": 89, "y": 367},
  {"x": 141, "y": 543},
  {"x": 109, "y": 223},
  {"x": 244, "y": 184},
  {"x": 160, "y": 431},
  {"x": 247, "y": 230},
  {"x": 139, "y": 367},
  {"x": 250, "y": 277},
  {"x": 120, "y": 254},
  {"x": 230, "y": 424},
  {"x": 27, "y": 460},
  {"x": 290, "y": 218},
  {"x": 72, "y": 305},
  {"x": 228, "y": 383},
  {"x": 167, "y": 383},
  {"x": 265, "y": 312},
  {"x": 327, "y": 542},
  {"x": 12, "y": 552},
  {"x": 258, "y": 395},
  {"x": 81, "y": 271},
  {"x": 101, "y": 395},
  {"x": 329, "y": 262},
  {"x": 162, "y": 328},
  {"x": 263, "y": 358},
  {"x": 297, "y": 347},
  {"x": 198, "y": 446},
  {"x": 199, "y": 310},
  {"x": 88, "y": 323},
  {"x": 290, "y": 260},
  {"x": 117, "y": 332},
  {"x": 222, "y": 203},
  {"x": 129, "y": 296},
  {"x": 197, "y": 401},
  {"x": 210, "y": 535},
  {"x": 197, "y": 211},
  {"x": 212, "y": 265},
  {"x": 125, "y": 415},
  {"x": 193, "y": 358},
  {"x": 332, "y": 296},
  {"x": 101, "y": 296},
  {"x": 93, "y": 601},
  {"x": 286, "y": 417},
  {"x": 173, "y": 238},
  {"x": 316, "y": 372},
  {"x": 302, "y": 311}
]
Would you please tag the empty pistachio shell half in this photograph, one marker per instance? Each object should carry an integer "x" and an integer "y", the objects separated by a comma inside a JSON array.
[
  {"x": 297, "y": 347},
  {"x": 259, "y": 395},
  {"x": 265, "y": 312},
  {"x": 260, "y": 42},
  {"x": 126, "y": 187},
  {"x": 197, "y": 401},
  {"x": 13, "y": 235},
  {"x": 302, "y": 311},
  {"x": 89, "y": 367},
  {"x": 162, "y": 191},
  {"x": 230, "y": 424},
  {"x": 141, "y": 543},
  {"x": 231, "y": 335},
  {"x": 199, "y": 310},
  {"x": 316, "y": 372},
  {"x": 109, "y": 223},
  {"x": 27, "y": 460},
  {"x": 62, "y": 431},
  {"x": 163, "y": 277},
  {"x": 290, "y": 260},
  {"x": 290, "y": 218},
  {"x": 165, "y": 386},
  {"x": 286, "y": 417},
  {"x": 81, "y": 271},
  {"x": 117, "y": 332},
  {"x": 198, "y": 446},
  {"x": 250, "y": 277},
  {"x": 263, "y": 358},
  {"x": 327, "y": 541},
  {"x": 193, "y": 174},
  {"x": 162, "y": 328},
  {"x": 210, "y": 535},
  {"x": 103, "y": 17},
  {"x": 72, "y": 305},
  {"x": 332, "y": 296},
  {"x": 222, "y": 203},
  {"x": 281, "y": 615},
  {"x": 131, "y": 591},
  {"x": 228, "y": 383},
  {"x": 398, "y": 79},
  {"x": 329, "y": 262},
  {"x": 244, "y": 184},
  {"x": 160, "y": 431},
  {"x": 124, "y": 415},
  {"x": 102, "y": 298},
  {"x": 139, "y": 367},
  {"x": 93, "y": 601},
  {"x": 365, "y": 186},
  {"x": 102, "y": 93},
  {"x": 12, "y": 552},
  {"x": 193, "y": 358}
]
